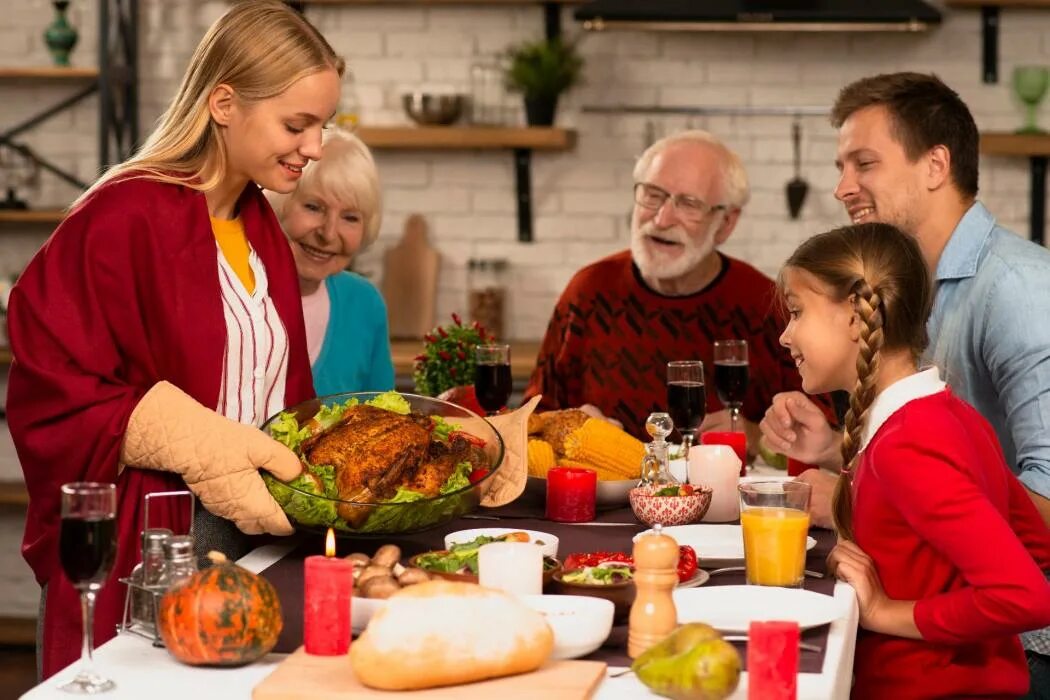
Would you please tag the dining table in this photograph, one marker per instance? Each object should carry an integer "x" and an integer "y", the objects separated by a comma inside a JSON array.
[{"x": 142, "y": 670}]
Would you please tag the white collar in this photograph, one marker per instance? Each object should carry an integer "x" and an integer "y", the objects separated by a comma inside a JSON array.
[{"x": 924, "y": 383}]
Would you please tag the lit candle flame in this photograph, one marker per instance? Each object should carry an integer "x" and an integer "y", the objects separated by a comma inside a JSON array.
[{"x": 329, "y": 543}]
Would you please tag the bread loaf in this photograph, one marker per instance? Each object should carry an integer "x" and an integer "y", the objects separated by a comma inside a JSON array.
[{"x": 445, "y": 633}]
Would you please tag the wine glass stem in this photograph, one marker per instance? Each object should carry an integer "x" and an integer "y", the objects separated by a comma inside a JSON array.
[
  {"x": 1032, "y": 112},
  {"x": 687, "y": 444},
  {"x": 733, "y": 412},
  {"x": 87, "y": 609}
]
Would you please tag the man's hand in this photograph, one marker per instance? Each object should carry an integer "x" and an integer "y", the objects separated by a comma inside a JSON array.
[
  {"x": 595, "y": 412},
  {"x": 795, "y": 426},
  {"x": 822, "y": 484}
]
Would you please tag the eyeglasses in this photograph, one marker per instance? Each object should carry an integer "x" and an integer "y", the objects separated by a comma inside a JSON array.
[{"x": 690, "y": 209}]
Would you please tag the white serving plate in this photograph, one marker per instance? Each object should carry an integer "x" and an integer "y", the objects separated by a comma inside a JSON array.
[
  {"x": 361, "y": 612},
  {"x": 580, "y": 624},
  {"x": 549, "y": 546},
  {"x": 608, "y": 494},
  {"x": 734, "y": 608},
  {"x": 713, "y": 541}
]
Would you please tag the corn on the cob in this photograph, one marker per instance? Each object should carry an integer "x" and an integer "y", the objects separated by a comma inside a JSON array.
[
  {"x": 606, "y": 446},
  {"x": 603, "y": 473},
  {"x": 541, "y": 457}
]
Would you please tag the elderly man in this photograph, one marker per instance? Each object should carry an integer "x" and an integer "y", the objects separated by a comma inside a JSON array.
[
  {"x": 670, "y": 297},
  {"x": 988, "y": 331}
]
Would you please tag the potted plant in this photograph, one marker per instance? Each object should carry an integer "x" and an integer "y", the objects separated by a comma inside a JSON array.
[
  {"x": 445, "y": 368},
  {"x": 541, "y": 71}
]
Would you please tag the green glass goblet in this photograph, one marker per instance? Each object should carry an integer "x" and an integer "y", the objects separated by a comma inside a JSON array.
[{"x": 1030, "y": 85}]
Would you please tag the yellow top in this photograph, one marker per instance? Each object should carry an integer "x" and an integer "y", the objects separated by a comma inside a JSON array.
[{"x": 234, "y": 246}]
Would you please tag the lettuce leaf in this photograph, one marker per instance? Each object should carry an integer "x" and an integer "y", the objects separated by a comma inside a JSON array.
[
  {"x": 307, "y": 509},
  {"x": 442, "y": 428},
  {"x": 459, "y": 479},
  {"x": 391, "y": 401},
  {"x": 286, "y": 431}
]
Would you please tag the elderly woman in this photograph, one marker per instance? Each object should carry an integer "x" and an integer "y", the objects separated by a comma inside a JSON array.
[{"x": 331, "y": 216}]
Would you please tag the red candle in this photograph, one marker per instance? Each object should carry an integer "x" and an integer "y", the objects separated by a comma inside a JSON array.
[
  {"x": 772, "y": 661},
  {"x": 737, "y": 440},
  {"x": 796, "y": 467},
  {"x": 571, "y": 494},
  {"x": 328, "y": 587}
]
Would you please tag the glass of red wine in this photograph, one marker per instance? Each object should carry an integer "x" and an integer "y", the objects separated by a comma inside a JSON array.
[
  {"x": 492, "y": 380},
  {"x": 686, "y": 398},
  {"x": 731, "y": 376},
  {"x": 87, "y": 548}
]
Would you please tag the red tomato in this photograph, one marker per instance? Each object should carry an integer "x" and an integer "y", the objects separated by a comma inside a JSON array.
[
  {"x": 477, "y": 475},
  {"x": 472, "y": 439},
  {"x": 578, "y": 561},
  {"x": 687, "y": 563}
]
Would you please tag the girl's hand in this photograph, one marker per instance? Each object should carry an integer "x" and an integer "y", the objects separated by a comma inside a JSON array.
[{"x": 878, "y": 613}]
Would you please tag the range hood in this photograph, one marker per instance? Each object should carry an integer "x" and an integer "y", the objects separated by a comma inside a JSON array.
[{"x": 759, "y": 15}]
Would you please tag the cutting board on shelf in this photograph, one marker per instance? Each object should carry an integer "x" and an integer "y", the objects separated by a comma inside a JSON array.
[
  {"x": 410, "y": 274},
  {"x": 305, "y": 677}
]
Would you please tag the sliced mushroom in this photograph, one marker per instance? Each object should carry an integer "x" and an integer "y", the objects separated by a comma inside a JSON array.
[{"x": 380, "y": 587}]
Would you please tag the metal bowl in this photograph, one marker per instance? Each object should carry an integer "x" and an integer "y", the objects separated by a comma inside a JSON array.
[{"x": 429, "y": 109}]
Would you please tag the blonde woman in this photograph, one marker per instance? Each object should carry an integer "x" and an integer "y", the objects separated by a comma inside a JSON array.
[
  {"x": 333, "y": 215},
  {"x": 161, "y": 323}
]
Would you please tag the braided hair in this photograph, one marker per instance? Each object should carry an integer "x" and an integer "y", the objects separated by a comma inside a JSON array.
[{"x": 881, "y": 271}]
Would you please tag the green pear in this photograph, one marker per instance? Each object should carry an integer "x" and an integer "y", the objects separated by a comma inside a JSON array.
[{"x": 693, "y": 663}]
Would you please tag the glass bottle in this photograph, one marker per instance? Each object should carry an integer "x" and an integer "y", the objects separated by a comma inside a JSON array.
[
  {"x": 348, "y": 111},
  {"x": 147, "y": 575},
  {"x": 486, "y": 282},
  {"x": 656, "y": 469}
]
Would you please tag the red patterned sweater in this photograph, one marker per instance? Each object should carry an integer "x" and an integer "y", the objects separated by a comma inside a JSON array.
[{"x": 610, "y": 338}]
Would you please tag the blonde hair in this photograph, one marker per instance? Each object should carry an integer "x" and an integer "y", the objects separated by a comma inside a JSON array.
[
  {"x": 735, "y": 188},
  {"x": 346, "y": 173},
  {"x": 881, "y": 270},
  {"x": 259, "y": 48}
]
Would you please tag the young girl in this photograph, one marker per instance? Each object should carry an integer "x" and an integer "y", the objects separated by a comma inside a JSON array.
[
  {"x": 161, "y": 323},
  {"x": 938, "y": 538}
]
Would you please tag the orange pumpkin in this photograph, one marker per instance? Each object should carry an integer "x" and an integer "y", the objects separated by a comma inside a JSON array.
[{"x": 222, "y": 616}]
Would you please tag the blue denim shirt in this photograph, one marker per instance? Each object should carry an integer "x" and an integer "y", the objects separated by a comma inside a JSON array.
[{"x": 990, "y": 335}]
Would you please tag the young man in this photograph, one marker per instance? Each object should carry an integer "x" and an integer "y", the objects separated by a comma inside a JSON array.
[
  {"x": 908, "y": 154},
  {"x": 670, "y": 297}
]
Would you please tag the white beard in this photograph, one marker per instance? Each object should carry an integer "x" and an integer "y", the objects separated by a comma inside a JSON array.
[{"x": 670, "y": 264}]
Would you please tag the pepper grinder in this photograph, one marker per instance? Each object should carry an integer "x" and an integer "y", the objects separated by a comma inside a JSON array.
[{"x": 653, "y": 614}]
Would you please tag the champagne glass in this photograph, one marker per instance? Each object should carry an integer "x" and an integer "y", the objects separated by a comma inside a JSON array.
[
  {"x": 1030, "y": 84},
  {"x": 87, "y": 547},
  {"x": 492, "y": 380},
  {"x": 731, "y": 376},
  {"x": 686, "y": 398}
]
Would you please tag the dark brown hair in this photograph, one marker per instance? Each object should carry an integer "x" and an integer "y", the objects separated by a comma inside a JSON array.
[
  {"x": 880, "y": 269},
  {"x": 924, "y": 113}
]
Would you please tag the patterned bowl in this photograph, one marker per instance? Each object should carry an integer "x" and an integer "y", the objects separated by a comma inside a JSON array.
[{"x": 669, "y": 510}]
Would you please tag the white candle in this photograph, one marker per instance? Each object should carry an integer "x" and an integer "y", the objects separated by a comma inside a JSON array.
[
  {"x": 513, "y": 567},
  {"x": 717, "y": 466}
]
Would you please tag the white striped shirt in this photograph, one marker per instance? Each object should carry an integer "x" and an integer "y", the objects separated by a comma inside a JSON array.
[{"x": 255, "y": 361}]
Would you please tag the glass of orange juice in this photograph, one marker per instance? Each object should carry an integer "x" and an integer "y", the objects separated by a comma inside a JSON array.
[{"x": 774, "y": 516}]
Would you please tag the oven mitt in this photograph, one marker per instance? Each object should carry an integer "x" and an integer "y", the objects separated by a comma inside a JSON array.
[
  {"x": 509, "y": 480},
  {"x": 218, "y": 458}
]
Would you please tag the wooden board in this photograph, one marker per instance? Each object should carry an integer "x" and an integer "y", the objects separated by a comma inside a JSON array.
[
  {"x": 305, "y": 677},
  {"x": 410, "y": 273}
]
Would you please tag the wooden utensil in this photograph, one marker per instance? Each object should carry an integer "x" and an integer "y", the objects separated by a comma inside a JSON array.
[
  {"x": 410, "y": 272},
  {"x": 305, "y": 677}
]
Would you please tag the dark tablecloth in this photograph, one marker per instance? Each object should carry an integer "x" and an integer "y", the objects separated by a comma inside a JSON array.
[{"x": 287, "y": 574}]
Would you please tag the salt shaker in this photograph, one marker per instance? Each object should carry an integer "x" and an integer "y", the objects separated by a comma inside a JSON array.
[
  {"x": 180, "y": 561},
  {"x": 653, "y": 614},
  {"x": 148, "y": 574}
]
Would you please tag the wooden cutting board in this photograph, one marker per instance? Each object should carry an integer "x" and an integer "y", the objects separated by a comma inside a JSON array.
[
  {"x": 410, "y": 273},
  {"x": 305, "y": 677}
]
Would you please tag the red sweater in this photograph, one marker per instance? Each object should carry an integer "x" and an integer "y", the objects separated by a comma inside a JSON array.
[
  {"x": 610, "y": 338},
  {"x": 949, "y": 526}
]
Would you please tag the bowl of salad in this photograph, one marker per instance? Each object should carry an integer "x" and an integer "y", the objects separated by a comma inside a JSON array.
[
  {"x": 676, "y": 504},
  {"x": 383, "y": 463},
  {"x": 460, "y": 561}
]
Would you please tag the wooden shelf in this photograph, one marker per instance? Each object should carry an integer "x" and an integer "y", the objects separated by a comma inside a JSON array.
[
  {"x": 522, "y": 357},
  {"x": 47, "y": 73},
  {"x": 1043, "y": 4},
  {"x": 467, "y": 137},
  {"x": 491, "y": 3},
  {"x": 13, "y": 493},
  {"x": 5, "y": 356},
  {"x": 31, "y": 216},
  {"x": 18, "y": 631},
  {"x": 1006, "y": 144}
]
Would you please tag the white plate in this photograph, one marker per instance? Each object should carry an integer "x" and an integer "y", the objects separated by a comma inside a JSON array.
[
  {"x": 699, "y": 578},
  {"x": 734, "y": 608},
  {"x": 714, "y": 541},
  {"x": 580, "y": 623},
  {"x": 361, "y": 612},
  {"x": 549, "y": 546}
]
